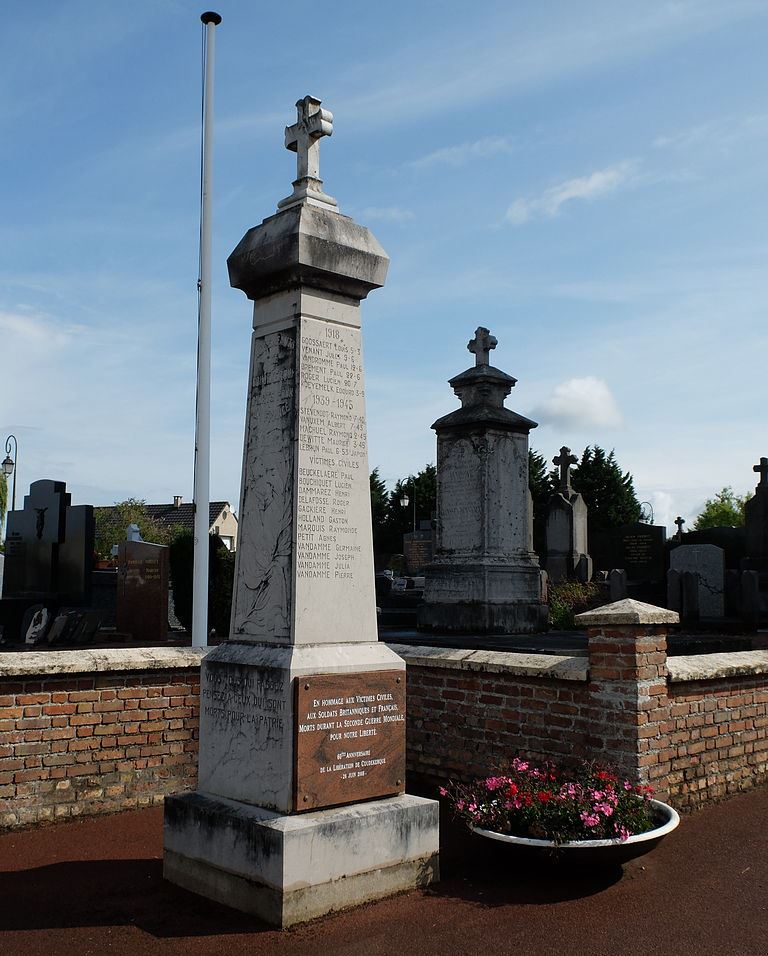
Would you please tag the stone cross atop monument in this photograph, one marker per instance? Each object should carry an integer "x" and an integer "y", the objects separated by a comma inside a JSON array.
[
  {"x": 762, "y": 470},
  {"x": 303, "y": 138},
  {"x": 679, "y": 521},
  {"x": 564, "y": 461},
  {"x": 481, "y": 345}
]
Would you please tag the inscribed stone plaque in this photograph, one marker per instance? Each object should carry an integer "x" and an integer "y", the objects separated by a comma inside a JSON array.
[
  {"x": 350, "y": 738},
  {"x": 642, "y": 552},
  {"x": 142, "y": 591}
]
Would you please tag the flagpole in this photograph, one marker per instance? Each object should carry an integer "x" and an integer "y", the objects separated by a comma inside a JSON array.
[{"x": 203, "y": 410}]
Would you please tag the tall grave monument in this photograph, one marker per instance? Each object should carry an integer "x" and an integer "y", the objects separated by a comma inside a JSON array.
[
  {"x": 567, "y": 554},
  {"x": 485, "y": 577},
  {"x": 301, "y": 806}
]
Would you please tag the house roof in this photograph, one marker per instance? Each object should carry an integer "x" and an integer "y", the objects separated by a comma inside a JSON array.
[
  {"x": 184, "y": 516},
  {"x": 167, "y": 514}
]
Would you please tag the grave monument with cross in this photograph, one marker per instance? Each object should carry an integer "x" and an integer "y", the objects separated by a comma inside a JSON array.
[
  {"x": 756, "y": 516},
  {"x": 49, "y": 548},
  {"x": 566, "y": 555},
  {"x": 485, "y": 577},
  {"x": 301, "y": 806}
]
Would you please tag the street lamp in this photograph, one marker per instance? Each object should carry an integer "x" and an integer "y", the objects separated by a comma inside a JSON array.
[
  {"x": 9, "y": 465},
  {"x": 405, "y": 501}
]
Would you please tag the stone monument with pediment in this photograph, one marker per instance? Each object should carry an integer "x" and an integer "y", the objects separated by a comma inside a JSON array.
[
  {"x": 567, "y": 553},
  {"x": 301, "y": 805},
  {"x": 485, "y": 577}
]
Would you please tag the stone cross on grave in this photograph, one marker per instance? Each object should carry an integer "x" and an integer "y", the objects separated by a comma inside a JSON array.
[
  {"x": 762, "y": 470},
  {"x": 481, "y": 345},
  {"x": 679, "y": 522},
  {"x": 564, "y": 461},
  {"x": 303, "y": 138}
]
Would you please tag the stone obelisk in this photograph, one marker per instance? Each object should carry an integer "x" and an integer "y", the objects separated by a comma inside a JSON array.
[{"x": 300, "y": 807}]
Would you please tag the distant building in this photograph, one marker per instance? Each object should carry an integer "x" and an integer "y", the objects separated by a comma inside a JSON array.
[{"x": 221, "y": 519}]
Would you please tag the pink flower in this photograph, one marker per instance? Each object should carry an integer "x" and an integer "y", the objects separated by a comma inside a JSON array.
[
  {"x": 623, "y": 833},
  {"x": 443, "y": 792},
  {"x": 605, "y": 808},
  {"x": 590, "y": 819},
  {"x": 627, "y": 785},
  {"x": 493, "y": 783},
  {"x": 520, "y": 765}
]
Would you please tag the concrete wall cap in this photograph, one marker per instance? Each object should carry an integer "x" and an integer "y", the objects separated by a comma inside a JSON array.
[
  {"x": 101, "y": 660},
  {"x": 712, "y": 666},
  {"x": 627, "y": 612},
  {"x": 551, "y": 666}
]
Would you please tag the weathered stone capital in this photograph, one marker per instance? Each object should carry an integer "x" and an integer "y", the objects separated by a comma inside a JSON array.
[
  {"x": 306, "y": 245},
  {"x": 627, "y": 612}
]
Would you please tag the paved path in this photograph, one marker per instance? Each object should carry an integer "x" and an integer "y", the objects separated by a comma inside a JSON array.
[{"x": 95, "y": 887}]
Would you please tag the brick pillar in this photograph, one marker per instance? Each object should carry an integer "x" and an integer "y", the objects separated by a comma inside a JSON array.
[{"x": 628, "y": 689}]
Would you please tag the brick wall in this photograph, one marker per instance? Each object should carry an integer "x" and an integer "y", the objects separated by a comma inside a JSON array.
[
  {"x": 718, "y": 740},
  {"x": 90, "y": 732},
  {"x": 83, "y": 743},
  {"x": 466, "y": 710}
]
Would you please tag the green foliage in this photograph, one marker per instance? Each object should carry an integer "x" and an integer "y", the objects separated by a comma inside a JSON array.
[
  {"x": 608, "y": 492},
  {"x": 221, "y": 570},
  {"x": 399, "y": 519},
  {"x": 540, "y": 483},
  {"x": 571, "y": 598},
  {"x": 111, "y": 524},
  {"x": 379, "y": 504},
  {"x": 725, "y": 510}
]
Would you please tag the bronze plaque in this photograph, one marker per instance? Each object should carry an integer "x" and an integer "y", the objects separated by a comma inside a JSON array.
[{"x": 350, "y": 738}]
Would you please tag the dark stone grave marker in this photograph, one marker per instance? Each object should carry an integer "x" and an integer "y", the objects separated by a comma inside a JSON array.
[
  {"x": 49, "y": 547},
  {"x": 142, "y": 591}
]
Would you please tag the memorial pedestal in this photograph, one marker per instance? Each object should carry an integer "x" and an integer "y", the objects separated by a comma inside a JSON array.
[{"x": 288, "y": 869}]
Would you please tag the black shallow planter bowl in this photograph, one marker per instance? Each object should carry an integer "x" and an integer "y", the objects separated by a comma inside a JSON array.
[{"x": 592, "y": 852}]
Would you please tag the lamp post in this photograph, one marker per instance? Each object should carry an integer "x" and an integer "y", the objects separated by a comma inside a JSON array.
[
  {"x": 10, "y": 466},
  {"x": 405, "y": 501}
]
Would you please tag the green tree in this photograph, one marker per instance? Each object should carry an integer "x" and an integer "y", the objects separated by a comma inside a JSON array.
[
  {"x": 398, "y": 520},
  {"x": 608, "y": 492},
  {"x": 725, "y": 510},
  {"x": 540, "y": 483},
  {"x": 111, "y": 524},
  {"x": 379, "y": 504}
]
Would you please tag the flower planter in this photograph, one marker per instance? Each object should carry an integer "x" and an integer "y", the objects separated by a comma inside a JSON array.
[{"x": 605, "y": 852}]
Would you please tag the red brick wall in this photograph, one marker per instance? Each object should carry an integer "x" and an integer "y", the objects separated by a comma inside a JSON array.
[
  {"x": 718, "y": 738},
  {"x": 75, "y": 744},
  {"x": 461, "y": 723}
]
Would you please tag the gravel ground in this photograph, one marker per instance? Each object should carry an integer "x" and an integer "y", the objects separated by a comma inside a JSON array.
[{"x": 95, "y": 886}]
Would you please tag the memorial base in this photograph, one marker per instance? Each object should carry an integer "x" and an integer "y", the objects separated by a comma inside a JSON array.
[
  {"x": 483, "y": 599},
  {"x": 287, "y": 869}
]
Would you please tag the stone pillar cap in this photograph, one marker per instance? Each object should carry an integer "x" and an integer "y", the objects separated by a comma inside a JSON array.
[{"x": 627, "y": 612}]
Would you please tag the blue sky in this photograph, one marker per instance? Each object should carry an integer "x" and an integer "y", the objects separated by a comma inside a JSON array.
[{"x": 587, "y": 180}]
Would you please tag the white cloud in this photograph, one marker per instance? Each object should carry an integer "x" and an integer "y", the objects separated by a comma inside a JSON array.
[
  {"x": 27, "y": 328},
  {"x": 386, "y": 214},
  {"x": 600, "y": 183},
  {"x": 580, "y": 402},
  {"x": 463, "y": 153}
]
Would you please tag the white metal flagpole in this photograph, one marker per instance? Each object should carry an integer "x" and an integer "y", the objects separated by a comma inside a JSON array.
[{"x": 203, "y": 410}]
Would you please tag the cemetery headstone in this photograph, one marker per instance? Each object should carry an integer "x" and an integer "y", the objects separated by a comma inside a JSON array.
[
  {"x": 617, "y": 584},
  {"x": 756, "y": 518},
  {"x": 638, "y": 548},
  {"x": 418, "y": 548},
  {"x": 566, "y": 549},
  {"x": 142, "y": 590},
  {"x": 302, "y": 708},
  {"x": 49, "y": 547},
  {"x": 707, "y": 562}
]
